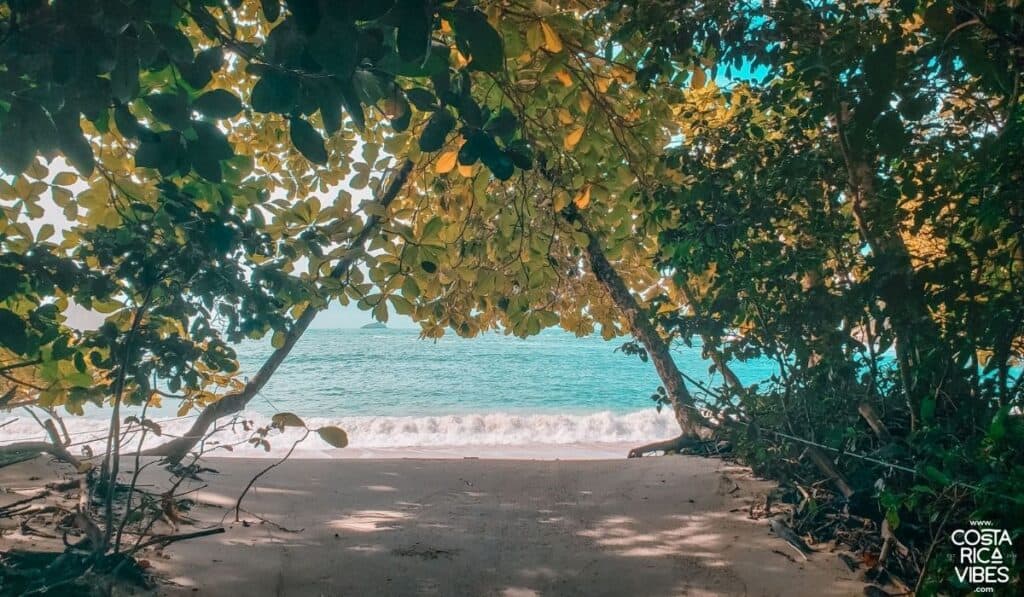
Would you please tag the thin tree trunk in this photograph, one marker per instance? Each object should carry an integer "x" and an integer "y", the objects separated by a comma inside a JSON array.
[
  {"x": 178, "y": 448},
  {"x": 682, "y": 402},
  {"x": 917, "y": 335}
]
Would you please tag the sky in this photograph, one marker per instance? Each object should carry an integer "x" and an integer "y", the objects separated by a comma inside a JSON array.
[{"x": 337, "y": 316}]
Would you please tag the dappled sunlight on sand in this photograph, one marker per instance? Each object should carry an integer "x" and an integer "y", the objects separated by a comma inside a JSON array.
[
  {"x": 370, "y": 521},
  {"x": 519, "y": 592},
  {"x": 382, "y": 488},
  {"x": 656, "y": 527}
]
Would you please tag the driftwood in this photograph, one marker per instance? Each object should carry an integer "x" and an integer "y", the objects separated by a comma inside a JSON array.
[
  {"x": 55, "y": 447},
  {"x": 874, "y": 421},
  {"x": 825, "y": 465}
]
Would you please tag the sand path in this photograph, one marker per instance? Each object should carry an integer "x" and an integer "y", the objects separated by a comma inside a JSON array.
[{"x": 656, "y": 526}]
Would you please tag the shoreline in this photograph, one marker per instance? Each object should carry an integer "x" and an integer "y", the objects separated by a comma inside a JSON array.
[{"x": 518, "y": 435}]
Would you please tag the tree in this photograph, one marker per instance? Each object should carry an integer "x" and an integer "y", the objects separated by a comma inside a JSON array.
[
  {"x": 849, "y": 210},
  {"x": 197, "y": 133}
]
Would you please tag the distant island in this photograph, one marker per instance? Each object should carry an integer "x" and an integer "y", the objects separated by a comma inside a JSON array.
[{"x": 375, "y": 325}]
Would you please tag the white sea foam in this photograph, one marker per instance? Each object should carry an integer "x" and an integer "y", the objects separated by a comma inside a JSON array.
[{"x": 493, "y": 433}]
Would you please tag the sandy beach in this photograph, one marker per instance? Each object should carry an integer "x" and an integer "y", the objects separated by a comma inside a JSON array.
[{"x": 656, "y": 526}]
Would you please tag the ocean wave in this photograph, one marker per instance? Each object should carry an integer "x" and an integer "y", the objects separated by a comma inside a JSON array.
[{"x": 499, "y": 429}]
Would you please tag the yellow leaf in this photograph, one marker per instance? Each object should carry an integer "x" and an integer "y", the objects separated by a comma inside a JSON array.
[
  {"x": 582, "y": 200},
  {"x": 564, "y": 78},
  {"x": 602, "y": 83},
  {"x": 466, "y": 171},
  {"x": 333, "y": 436},
  {"x": 446, "y": 163},
  {"x": 667, "y": 307},
  {"x": 534, "y": 38},
  {"x": 623, "y": 74},
  {"x": 573, "y": 138},
  {"x": 552, "y": 42},
  {"x": 65, "y": 178},
  {"x": 564, "y": 116},
  {"x": 560, "y": 201},
  {"x": 282, "y": 420},
  {"x": 445, "y": 26},
  {"x": 585, "y": 102},
  {"x": 698, "y": 79}
]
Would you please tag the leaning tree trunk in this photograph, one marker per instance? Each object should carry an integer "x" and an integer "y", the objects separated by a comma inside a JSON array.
[
  {"x": 919, "y": 350},
  {"x": 679, "y": 397},
  {"x": 178, "y": 448}
]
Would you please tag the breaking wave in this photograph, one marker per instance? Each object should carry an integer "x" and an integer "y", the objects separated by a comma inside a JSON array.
[{"x": 375, "y": 432}]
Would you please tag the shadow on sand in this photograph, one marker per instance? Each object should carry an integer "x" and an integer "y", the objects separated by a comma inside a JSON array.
[{"x": 657, "y": 526}]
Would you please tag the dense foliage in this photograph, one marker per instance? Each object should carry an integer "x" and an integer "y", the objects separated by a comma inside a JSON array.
[{"x": 852, "y": 210}]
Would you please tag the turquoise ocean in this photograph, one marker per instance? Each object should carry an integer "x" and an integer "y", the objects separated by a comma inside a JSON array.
[{"x": 389, "y": 388}]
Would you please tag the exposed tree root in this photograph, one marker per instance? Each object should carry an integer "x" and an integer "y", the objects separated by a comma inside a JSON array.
[
  {"x": 683, "y": 442},
  {"x": 55, "y": 448}
]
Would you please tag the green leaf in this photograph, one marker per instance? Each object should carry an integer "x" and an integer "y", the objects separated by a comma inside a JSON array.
[
  {"x": 997, "y": 430},
  {"x": 282, "y": 420},
  {"x": 436, "y": 131},
  {"x": 350, "y": 98},
  {"x": 335, "y": 47},
  {"x": 307, "y": 140},
  {"x": 501, "y": 166},
  {"x": 422, "y": 99},
  {"x": 16, "y": 152},
  {"x": 889, "y": 132},
  {"x": 274, "y": 92},
  {"x": 933, "y": 474},
  {"x": 477, "y": 38},
  {"x": 219, "y": 103},
  {"x": 271, "y": 9},
  {"x": 928, "y": 409},
  {"x": 72, "y": 141},
  {"x": 124, "y": 79},
  {"x": 177, "y": 45},
  {"x": 213, "y": 142},
  {"x": 329, "y": 100},
  {"x": 521, "y": 154},
  {"x": 503, "y": 124},
  {"x": 208, "y": 150},
  {"x": 164, "y": 152},
  {"x": 126, "y": 121},
  {"x": 170, "y": 108},
  {"x": 13, "y": 335},
  {"x": 433, "y": 227},
  {"x": 413, "y": 30},
  {"x": 334, "y": 436}
]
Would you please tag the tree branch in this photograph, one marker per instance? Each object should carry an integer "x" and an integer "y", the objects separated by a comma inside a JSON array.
[{"x": 176, "y": 449}]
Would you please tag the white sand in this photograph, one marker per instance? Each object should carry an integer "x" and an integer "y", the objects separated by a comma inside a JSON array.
[{"x": 655, "y": 526}]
